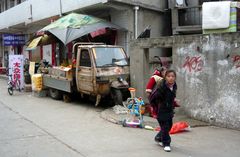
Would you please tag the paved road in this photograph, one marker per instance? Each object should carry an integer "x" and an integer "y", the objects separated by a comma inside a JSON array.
[{"x": 42, "y": 127}]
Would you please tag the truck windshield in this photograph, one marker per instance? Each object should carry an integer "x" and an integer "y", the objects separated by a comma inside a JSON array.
[{"x": 110, "y": 56}]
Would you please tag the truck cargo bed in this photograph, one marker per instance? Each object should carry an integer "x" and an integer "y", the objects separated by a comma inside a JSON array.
[{"x": 59, "y": 83}]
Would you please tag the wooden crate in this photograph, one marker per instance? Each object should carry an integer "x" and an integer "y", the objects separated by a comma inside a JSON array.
[{"x": 28, "y": 88}]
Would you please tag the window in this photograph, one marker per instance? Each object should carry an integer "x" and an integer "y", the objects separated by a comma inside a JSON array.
[
  {"x": 110, "y": 56},
  {"x": 12, "y": 3},
  {"x": 6, "y": 5},
  {"x": 85, "y": 59}
]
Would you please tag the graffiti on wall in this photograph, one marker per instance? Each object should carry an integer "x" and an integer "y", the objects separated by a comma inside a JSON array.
[
  {"x": 193, "y": 64},
  {"x": 236, "y": 61}
]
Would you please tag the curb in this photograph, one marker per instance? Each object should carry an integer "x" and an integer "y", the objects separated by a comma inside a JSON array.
[
  {"x": 114, "y": 118},
  {"x": 3, "y": 77},
  {"x": 105, "y": 115},
  {"x": 110, "y": 116}
]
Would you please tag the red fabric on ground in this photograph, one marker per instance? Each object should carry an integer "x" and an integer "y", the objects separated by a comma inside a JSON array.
[{"x": 176, "y": 128}]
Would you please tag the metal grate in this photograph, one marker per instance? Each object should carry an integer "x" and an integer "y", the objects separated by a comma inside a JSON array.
[{"x": 190, "y": 16}]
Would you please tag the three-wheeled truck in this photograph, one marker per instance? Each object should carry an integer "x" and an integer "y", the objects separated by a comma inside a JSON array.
[{"x": 99, "y": 71}]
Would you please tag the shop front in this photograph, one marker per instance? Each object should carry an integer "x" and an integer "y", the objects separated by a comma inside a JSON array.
[
  {"x": 53, "y": 44},
  {"x": 12, "y": 44}
]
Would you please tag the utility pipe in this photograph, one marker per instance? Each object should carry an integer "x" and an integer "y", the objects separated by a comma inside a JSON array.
[
  {"x": 136, "y": 8},
  {"x": 60, "y": 5}
]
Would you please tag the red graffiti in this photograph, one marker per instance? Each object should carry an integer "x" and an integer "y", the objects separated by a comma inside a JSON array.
[
  {"x": 16, "y": 71},
  {"x": 236, "y": 61},
  {"x": 194, "y": 64}
]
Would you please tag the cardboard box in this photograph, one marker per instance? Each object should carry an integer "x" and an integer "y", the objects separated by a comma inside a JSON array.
[{"x": 61, "y": 72}]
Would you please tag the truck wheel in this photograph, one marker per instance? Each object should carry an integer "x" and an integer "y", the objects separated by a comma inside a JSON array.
[
  {"x": 67, "y": 98},
  {"x": 117, "y": 97},
  {"x": 10, "y": 90},
  {"x": 124, "y": 123},
  {"x": 55, "y": 94},
  {"x": 126, "y": 94}
]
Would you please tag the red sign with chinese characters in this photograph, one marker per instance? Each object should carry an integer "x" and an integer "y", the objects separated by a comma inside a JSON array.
[{"x": 16, "y": 68}]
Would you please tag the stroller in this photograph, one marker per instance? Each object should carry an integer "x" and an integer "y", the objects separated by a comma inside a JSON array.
[{"x": 135, "y": 108}]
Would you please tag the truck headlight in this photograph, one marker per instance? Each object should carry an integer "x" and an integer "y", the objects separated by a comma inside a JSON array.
[{"x": 120, "y": 79}]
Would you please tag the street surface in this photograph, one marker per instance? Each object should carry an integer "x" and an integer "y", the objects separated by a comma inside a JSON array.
[{"x": 42, "y": 127}]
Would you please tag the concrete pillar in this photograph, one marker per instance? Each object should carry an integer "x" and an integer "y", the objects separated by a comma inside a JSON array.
[
  {"x": 175, "y": 21},
  {"x": 145, "y": 74},
  {"x": 139, "y": 67}
]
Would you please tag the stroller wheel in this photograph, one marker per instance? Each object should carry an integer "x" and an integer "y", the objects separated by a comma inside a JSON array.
[
  {"x": 124, "y": 124},
  {"x": 141, "y": 126}
]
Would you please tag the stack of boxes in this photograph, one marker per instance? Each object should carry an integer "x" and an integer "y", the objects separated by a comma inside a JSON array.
[
  {"x": 37, "y": 82},
  {"x": 37, "y": 86},
  {"x": 61, "y": 72}
]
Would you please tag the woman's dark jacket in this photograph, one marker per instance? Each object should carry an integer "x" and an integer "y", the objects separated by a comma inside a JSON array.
[{"x": 164, "y": 98}]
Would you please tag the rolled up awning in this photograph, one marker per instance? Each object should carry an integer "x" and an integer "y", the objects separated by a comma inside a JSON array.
[{"x": 34, "y": 43}]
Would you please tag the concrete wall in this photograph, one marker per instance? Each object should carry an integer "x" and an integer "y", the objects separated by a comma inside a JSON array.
[
  {"x": 125, "y": 19},
  {"x": 208, "y": 74},
  {"x": 141, "y": 52},
  {"x": 156, "y": 4},
  {"x": 208, "y": 69}
]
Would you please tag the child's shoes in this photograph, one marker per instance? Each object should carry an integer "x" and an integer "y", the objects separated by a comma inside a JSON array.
[
  {"x": 167, "y": 149},
  {"x": 160, "y": 144}
]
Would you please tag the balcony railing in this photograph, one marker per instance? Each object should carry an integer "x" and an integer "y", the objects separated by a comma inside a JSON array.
[
  {"x": 187, "y": 20},
  {"x": 190, "y": 16}
]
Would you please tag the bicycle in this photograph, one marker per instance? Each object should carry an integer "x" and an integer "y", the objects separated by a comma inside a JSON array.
[{"x": 13, "y": 84}]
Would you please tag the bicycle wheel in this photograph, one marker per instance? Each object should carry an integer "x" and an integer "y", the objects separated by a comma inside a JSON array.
[
  {"x": 18, "y": 85},
  {"x": 10, "y": 89}
]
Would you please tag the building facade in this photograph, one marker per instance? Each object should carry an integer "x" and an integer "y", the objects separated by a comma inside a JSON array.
[{"x": 27, "y": 16}]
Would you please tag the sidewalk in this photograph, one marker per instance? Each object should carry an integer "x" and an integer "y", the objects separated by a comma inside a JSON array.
[
  {"x": 4, "y": 77},
  {"x": 112, "y": 117}
]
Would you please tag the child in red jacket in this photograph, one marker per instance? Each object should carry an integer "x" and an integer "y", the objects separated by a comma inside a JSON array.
[
  {"x": 151, "y": 85},
  {"x": 153, "y": 81}
]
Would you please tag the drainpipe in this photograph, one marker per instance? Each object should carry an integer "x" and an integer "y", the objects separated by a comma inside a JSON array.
[
  {"x": 60, "y": 5},
  {"x": 136, "y": 8}
]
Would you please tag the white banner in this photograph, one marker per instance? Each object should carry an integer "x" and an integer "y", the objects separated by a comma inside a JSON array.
[
  {"x": 47, "y": 53},
  {"x": 16, "y": 63}
]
